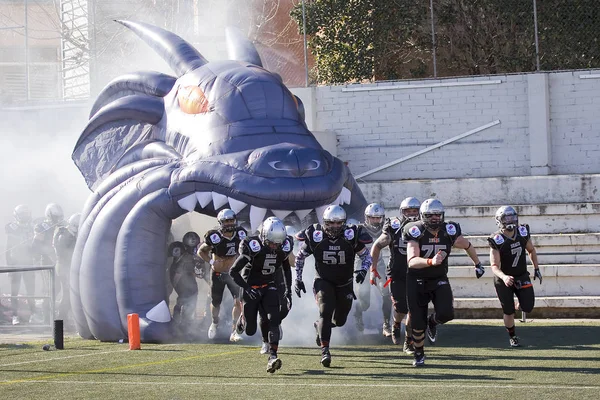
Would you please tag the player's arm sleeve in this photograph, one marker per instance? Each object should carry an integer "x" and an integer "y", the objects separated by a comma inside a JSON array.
[
  {"x": 287, "y": 275},
  {"x": 240, "y": 263},
  {"x": 300, "y": 258},
  {"x": 365, "y": 258}
]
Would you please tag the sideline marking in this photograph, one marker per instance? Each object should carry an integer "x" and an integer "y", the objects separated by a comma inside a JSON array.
[
  {"x": 358, "y": 385},
  {"x": 96, "y": 371}
]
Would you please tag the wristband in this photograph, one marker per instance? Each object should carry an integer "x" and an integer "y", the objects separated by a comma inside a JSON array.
[
  {"x": 211, "y": 262},
  {"x": 429, "y": 261}
]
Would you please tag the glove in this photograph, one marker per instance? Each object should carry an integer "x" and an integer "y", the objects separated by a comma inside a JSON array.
[
  {"x": 299, "y": 287},
  {"x": 374, "y": 276},
  {"x": 252, "y": 293},
  {"x": 479, "y": 271},
  {"x": 538, "y": 274},
  {"x": 361, "y": 274},
  {"x": 288, "y": 298}
]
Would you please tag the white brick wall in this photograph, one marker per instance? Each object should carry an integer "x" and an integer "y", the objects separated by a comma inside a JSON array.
[{"x": 375, "y": 127}]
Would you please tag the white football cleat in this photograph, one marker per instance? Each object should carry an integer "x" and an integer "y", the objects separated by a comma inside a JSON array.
[
  {"x": 235, "y": 337},
  {"x": 212, "y": 331},
  {"x": 265, "y": 348}
]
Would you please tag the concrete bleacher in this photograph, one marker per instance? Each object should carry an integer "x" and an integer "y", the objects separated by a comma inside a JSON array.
[{"x": 566, "y": 235}]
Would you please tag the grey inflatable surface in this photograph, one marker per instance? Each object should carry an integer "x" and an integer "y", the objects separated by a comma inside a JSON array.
[{"x": 223, "y": 134}]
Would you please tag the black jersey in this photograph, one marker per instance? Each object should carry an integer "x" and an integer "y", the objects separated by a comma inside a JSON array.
[
  {"x": 18, "y": 244},
  {"x": 334, "y": 258},
  {"x": 263, "y": 263},
  {"x": 221, "y": 245},
  {"x": 183, "y": 262},
  {"x": 512, "y": 250},
  {"x": 64, "y": 244},
  {"x": 398, "y": 264},
  {"x": 430, "y": 243}
]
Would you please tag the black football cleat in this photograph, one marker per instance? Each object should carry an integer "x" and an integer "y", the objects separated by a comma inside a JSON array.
[
  {"x": 326, "y": 358},
  {"x": 273, "y": 364}
]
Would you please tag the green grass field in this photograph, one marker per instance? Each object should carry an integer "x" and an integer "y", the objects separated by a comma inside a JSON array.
[{"x": 471, "y": 361}]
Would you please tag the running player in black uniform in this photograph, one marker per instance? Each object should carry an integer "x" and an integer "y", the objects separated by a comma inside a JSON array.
[
  {"x": 334, "y": 246},
  {"x": 507, "y": 258},
  {"x": 429, "y": 243},
  {"x": 263, "y": 256},
  {"x": 223, "y": 243},
  {"x": 397, "y": 266}
]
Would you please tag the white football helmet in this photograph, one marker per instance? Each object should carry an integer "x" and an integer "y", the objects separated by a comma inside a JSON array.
[
  {"x": 334, "y": 220},
  {"x": 374, "y": 216},
  {"x": 410, "y": 203},
  {"x": 432, "y": 213},
  {"x": 227, "y": 220},
  {"x": 273, "y": 233},
  {"x": 507, "y": 218}
]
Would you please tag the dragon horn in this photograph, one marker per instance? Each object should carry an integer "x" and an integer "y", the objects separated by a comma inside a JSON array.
[
  {"x": 240, "y": 48},
  {"x": 181, "y": 56}
]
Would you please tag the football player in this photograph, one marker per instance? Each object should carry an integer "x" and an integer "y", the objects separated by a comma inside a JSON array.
[
  {"x": 507, "y": 258},
  {"x": 223, "y": 243},
  {"x": 263, "y": 256},
  {"x": 374, "y": 220},
  {"x": 429, "y": 243},
  {"x": 334, "y": 247},
  {"x": 397, "y": 266}
]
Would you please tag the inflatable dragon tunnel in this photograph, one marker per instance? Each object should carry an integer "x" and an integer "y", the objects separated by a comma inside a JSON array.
[{"x": 222, "y": 134}]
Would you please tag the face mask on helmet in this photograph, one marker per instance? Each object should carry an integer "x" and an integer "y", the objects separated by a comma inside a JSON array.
[
  {"x": 22, "y": 214},
  {"x": 73, "y": 223},
  {"x": 227, "y": 220},
  {"x": 273, "y": 233},
  {"x": 409, "y": 209},
  {"x": 432, "y": 213},
  {"x": 374, "y": 216},
  {"x": 507, "y": 218},
  {"x": 334, "y": 221},
  {"x": 191, "y": 239},
  {"x": 54, "y": 213}
]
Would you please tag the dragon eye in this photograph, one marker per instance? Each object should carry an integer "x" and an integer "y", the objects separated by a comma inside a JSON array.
[{"x": 192, "y": 100}]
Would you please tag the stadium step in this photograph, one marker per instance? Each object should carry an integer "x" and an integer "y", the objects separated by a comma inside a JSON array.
[{"x": 545, "y": 307}]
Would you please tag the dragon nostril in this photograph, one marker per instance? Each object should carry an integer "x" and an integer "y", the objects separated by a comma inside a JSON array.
[{"x": 313, "y": 164}]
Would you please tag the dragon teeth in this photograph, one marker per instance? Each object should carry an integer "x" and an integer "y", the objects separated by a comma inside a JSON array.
[
  {"x": 236, "y": 205},
  {"x": 345, "y": 196},
  {"x": 281, "y": 214},
  {"x": 159, "y": 313},
  {"x": 219, "y": 200},
  {"x": 302, "y": 213},
  {"x": 257, "y": 215},
  {"x": 188, "y": 203},
  {"x": 204, "y": 198}
]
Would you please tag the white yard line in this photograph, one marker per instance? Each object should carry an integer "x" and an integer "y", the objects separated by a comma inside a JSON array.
[
  {"x": 328, "y": 384},
  {"x": 60, "y": 358}
]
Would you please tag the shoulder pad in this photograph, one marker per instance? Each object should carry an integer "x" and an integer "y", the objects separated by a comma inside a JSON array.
[
  {"x": 317, "y": 236},
  {"x": 288, "y": 245},
  {"x": 498, "y": 239},
  {"x": 176, "y": 249},
  {"x": 242, "y": 233},
  {"x": 453, "y": 228},
  {"x": 213, "y": 237},
  {"x": 524, "y": 230},
  {"x": 413, "y": 230},
  {"x": 301, "y": 236},
  {"x": 349, "y": 233},
  {"x": 254, "y": 244},
  {"x": 364, "y": 237}
]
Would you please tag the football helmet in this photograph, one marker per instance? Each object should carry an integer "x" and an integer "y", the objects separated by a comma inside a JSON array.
[
  {"x": 273, "y": 233},
  {"x": 374, "y": 216},
  {"x": 191, "y": 239},
  {"x": 334, "y": 220},
  {"x": 227, "y": 220},
  {"x": 352, "y": 221},
  {"x": 291, "y": 231},
  {"x": 22, "y": 214},
  {"x": 54, "y": 213},
  {"x": 507, "y": 218},
  {"x": 73, "y": 223},
  {"x": 410, "y": 203},
  {"x": 432, "y": 213}
]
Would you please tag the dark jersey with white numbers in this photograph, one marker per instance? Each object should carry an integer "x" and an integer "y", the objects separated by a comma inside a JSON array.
[
  {"x": 334, "y": 258},
  {"x": 512, "y": 250},
  {"x": 398, "y": 264},
  {"x": 430, "y": 243},
  {"x": 223, "y": 246},
  {"x": 262, "y": 262}
]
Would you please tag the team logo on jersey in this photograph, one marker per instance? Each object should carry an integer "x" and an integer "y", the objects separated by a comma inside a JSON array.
[
  {"x": 523, "y": 230},
  {"x": 499, "y": 239},
  {"x": 349, "y": 234},
  {"x": 395, "y": 223},
  {"x": 414, "y": 231},
  {"x": 215, "y": 238},
  {"x": 451, "y": 229},
  {"x": 242, "y": 235},
  {"x": 286, "y": 246},
  {"x": 317, "y": 236},
  {"x": 255, "y": 246}
]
